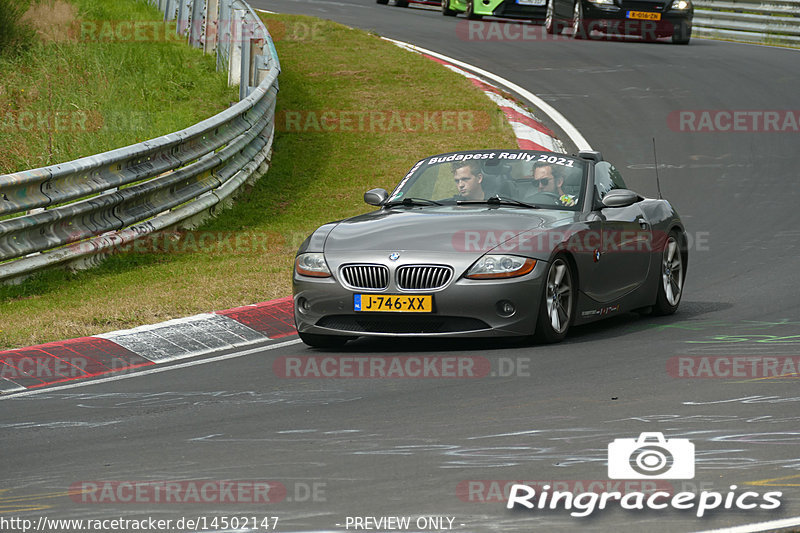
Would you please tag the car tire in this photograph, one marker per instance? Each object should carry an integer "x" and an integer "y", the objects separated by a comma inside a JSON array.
[
  {"x": 382, "y": 2},
  {"x": 446, "y": 11},
  {"x": 558, "y": 302},
  {"x": 579, "y": 26},
  {"x": 682, "y": 33},
  {"x": 551, "y": 24},
  {"x": 470, "y": 11},
  {"x": 671, "y": 276},
  {"x": 401, "y": 3},
  {"x": 323, "y": 341}
]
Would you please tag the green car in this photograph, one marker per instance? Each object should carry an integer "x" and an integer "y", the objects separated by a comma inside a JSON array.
[{"x": 476, "y": 9}]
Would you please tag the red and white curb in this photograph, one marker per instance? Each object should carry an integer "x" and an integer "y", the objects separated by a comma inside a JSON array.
[{"x": 123, "y": 351}]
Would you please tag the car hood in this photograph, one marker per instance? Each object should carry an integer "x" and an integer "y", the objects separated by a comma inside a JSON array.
[{"x": 439, "y": 229}]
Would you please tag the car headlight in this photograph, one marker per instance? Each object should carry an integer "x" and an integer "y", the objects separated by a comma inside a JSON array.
[
  {"x": 500, "y": 266},
  {"x": 603, "y": 2},
  {"x": 680, "y": 4},
  {"x": 312, "y": 264}
]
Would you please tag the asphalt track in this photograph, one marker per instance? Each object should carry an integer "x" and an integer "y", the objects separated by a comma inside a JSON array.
[{"x": 410, "y": 447}]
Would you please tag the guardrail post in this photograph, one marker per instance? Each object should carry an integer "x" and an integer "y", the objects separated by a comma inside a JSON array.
[
  {"x": 211, "y": 26},
  {"x": 196, "y": 28},
  {"x": 169, "y": 10},
  {"x": 183, "y": 18},
  {"x": 261, "y": 61},
  {"x": 244, "y": 77},
  {"x": 235, "y": 52},
  {"x": 224, "y": 34}
]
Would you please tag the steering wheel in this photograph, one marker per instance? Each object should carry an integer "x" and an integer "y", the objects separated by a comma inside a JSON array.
[{"x": 553, "y": 197}]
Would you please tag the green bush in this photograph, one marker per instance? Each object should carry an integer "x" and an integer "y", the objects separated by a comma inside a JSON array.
[{"x": 14, "y": 33}]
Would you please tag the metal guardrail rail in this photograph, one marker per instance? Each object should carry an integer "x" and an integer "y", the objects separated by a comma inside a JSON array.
[
  {"x": 74, "y": 213},
  {"x": 753, "y": 21}
]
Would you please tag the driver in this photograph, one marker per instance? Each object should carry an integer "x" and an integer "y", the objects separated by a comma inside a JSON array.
[
  {"x": 547, "y": 182},
  {"x": 468, "y": 178}
]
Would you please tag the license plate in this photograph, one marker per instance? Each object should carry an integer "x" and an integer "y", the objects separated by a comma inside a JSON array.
[
  {"x": 393, "y": 303},
  {"x": 531, "y": 2},
  {"x": 644, "y": 15}
]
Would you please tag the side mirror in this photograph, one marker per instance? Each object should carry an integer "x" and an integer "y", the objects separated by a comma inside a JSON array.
[
  {"x": 620, "y": 198},
  {"x": 376, "y": 197}
]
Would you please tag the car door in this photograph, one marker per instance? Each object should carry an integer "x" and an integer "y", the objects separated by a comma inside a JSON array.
[{"x": 624, "y": 259}]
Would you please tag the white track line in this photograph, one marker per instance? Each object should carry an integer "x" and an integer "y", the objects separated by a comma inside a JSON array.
[
  {"x": 158, "y": 370},
  {"x": 572, "y": 132},
  {"x": 758, "y": 527}
]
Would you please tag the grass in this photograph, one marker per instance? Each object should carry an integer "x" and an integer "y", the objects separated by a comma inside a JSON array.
[
  {"x": 315, "y": 176},
  {"x": 80, "y": 91},
  {"x": 16, "y": 34}
]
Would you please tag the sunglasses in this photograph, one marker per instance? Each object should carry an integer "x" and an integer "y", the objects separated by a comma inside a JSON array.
[{"x": 544, "y": 182}]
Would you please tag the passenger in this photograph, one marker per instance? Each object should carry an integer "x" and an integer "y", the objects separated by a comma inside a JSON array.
[{"x": 468, "y": 178}]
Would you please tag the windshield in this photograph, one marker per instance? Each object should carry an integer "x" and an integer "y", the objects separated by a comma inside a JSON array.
[{"x": 518, "y": 177}]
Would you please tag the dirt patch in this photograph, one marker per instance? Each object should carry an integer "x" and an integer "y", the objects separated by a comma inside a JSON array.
[{"x": 52, "y": 20}]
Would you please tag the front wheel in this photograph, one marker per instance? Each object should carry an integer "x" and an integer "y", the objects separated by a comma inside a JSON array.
[
  {"x": 551, "y": 25},
  {"x": 558, "y": 301},
  {"x": 446, "y": 11},
  {"x": 470, "y": 11},
  {"x": 673, "y": 269},
  {"x": 580, "y": 29},
  {"x": 323, "y": 341},
  {"x": 382, "y": 2},
  {"x": 401, "y": 3},
  {"x": 682, "y": 33}
]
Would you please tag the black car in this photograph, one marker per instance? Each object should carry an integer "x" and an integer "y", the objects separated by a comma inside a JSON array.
[{"x": 649, "y": 19}]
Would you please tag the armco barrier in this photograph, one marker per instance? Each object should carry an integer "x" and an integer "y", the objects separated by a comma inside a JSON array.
[
  {"x": 74, "y": 212},
  {"x": 753, "y": 21}
]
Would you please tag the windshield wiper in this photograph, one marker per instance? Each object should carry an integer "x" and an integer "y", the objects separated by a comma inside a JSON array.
[
  {"x": 498, "y": 200},
  {"x": 412, "y": 201}
]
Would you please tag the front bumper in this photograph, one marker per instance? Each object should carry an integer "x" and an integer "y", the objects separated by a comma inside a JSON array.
[
  {"x": 464, "y": 308},
  {"x": 513, "y": 9},
  {"x": 615, "y": 20}
]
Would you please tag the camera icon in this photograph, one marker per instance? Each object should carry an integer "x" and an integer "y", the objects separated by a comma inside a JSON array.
[{"x": 651, "y": 457}]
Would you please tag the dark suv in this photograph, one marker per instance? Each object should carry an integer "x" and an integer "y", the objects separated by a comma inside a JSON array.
[{"x": 649, "y": 19}]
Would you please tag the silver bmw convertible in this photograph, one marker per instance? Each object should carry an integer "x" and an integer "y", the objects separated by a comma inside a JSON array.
[{"x": 491, "y": 243}]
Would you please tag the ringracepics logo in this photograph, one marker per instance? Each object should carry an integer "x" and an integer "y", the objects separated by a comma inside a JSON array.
[
  {"x": 642, "y": 458},
  {"x": 650, "y": 456}
]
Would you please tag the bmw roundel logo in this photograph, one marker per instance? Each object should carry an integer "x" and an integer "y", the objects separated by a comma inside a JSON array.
[{"x": 394, "y": 256}]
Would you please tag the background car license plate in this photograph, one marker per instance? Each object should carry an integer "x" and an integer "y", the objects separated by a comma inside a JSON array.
[
  {"x": 397, "y": 303},
  {"x": 531, "y": 2},
  {"x": 644, "y": 15}
]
